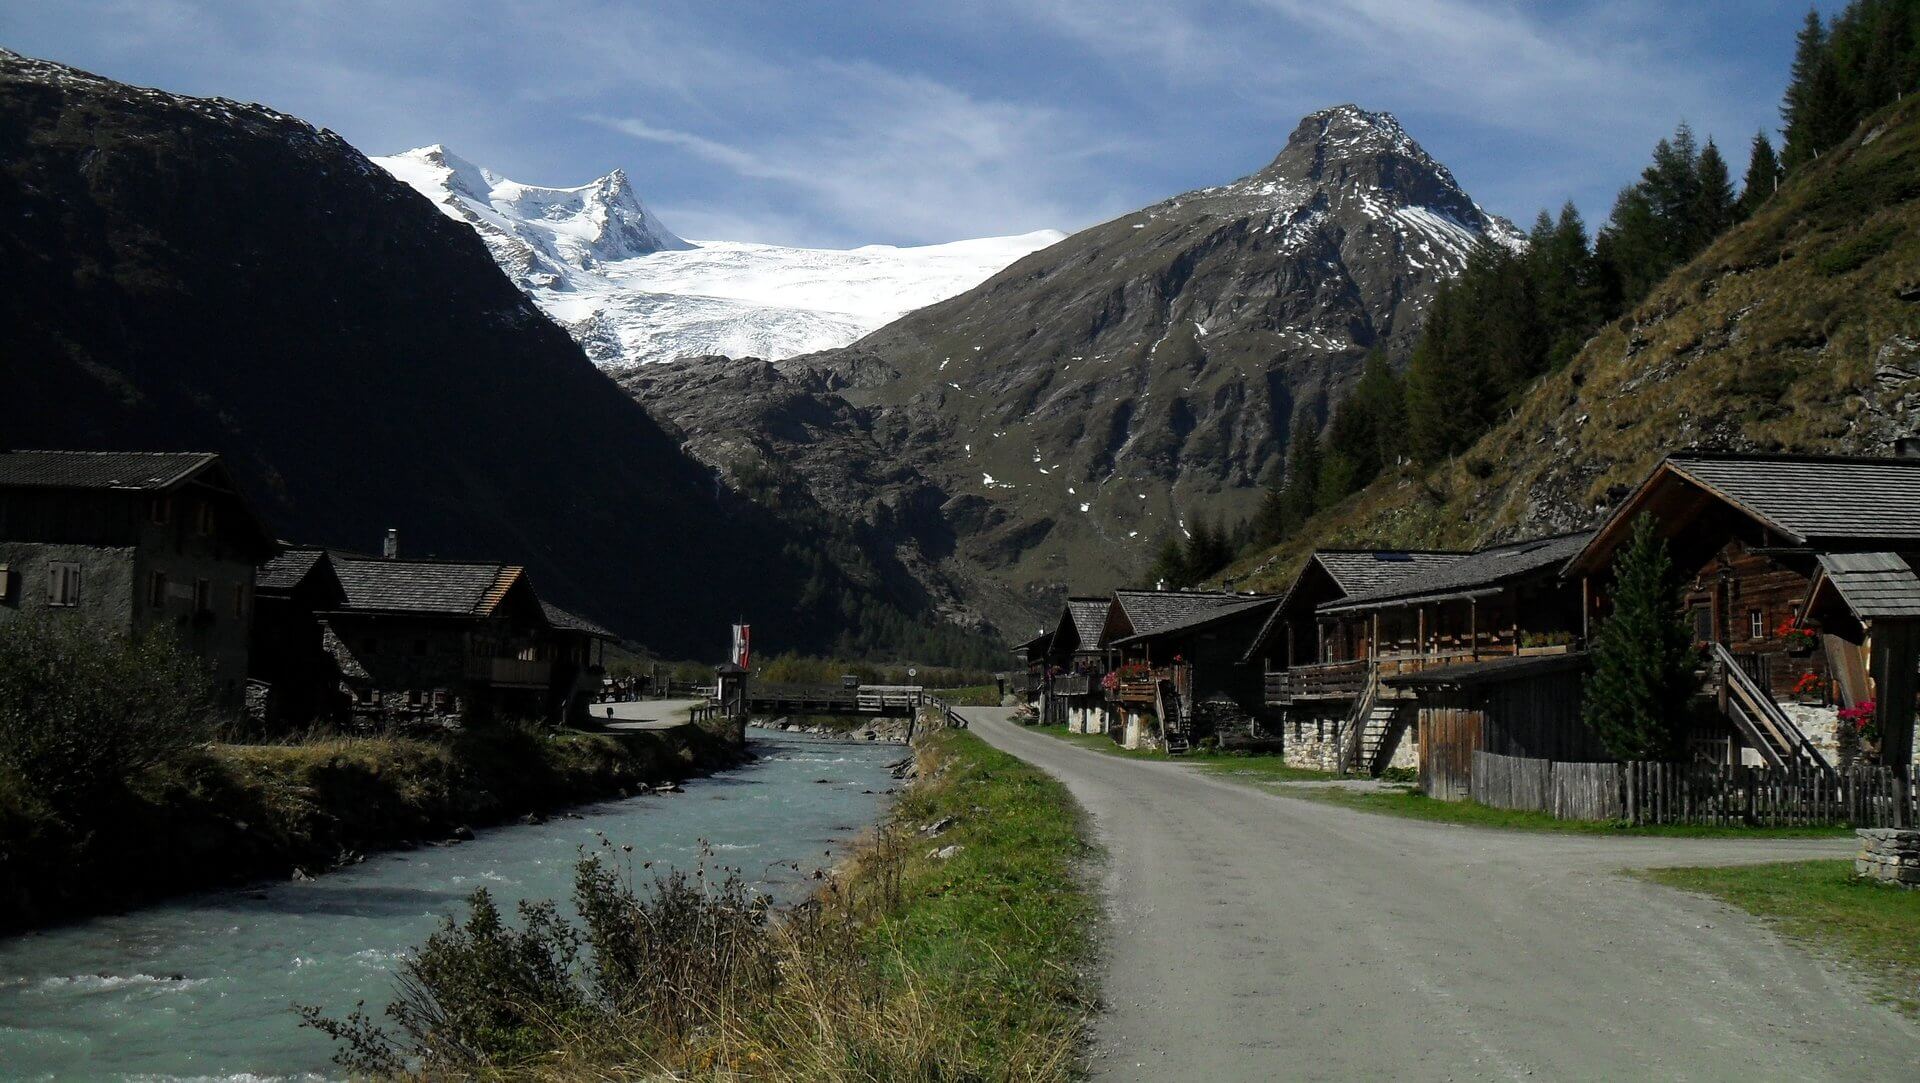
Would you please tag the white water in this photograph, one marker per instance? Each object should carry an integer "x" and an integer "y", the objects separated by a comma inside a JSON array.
[{"x": 204, "y": 987}]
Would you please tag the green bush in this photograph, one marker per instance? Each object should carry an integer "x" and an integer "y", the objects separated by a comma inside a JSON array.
[{"x": 81, "y": 713}]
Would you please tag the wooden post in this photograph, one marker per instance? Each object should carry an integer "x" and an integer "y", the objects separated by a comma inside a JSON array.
[
  {"x": 1473, "y": 629},
  {"x": 1420, "y": 625},
  {"x": 1896, "y": 652},
  {"x": 1586, "y": 610}
]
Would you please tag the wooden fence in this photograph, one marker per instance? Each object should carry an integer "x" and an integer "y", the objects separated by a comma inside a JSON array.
[{"x": 1698, "y": 793}]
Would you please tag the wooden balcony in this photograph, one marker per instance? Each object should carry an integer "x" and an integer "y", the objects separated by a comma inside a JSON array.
[
  {"x": 1322, "y": 681},
  {"x": 1140, "y": 690},
  {"x": 1072, "y": 684},
  {"x": 509, "y": 672}
]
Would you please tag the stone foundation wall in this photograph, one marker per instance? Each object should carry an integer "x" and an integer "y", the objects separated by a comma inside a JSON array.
[
  {"x": 1310, "y": 742},
  {"x": 1889, "y": 854}
]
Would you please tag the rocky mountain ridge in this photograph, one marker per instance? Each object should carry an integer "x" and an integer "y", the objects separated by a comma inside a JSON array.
[{"x": 1046, "y": 428}]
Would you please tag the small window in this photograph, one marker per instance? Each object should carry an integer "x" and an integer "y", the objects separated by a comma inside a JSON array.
[
  {"x": 160, "y": 510},
  {"x": 156, "y": 589},
  {"x": 242, "y": 600},
  {"x": 1756, "y": 624},
  {"x": 413, "y": 697},
  {"x": 202, "y": 596},
  {"x": 203, "y": 518},
  {"x": 63, "y": 583}
]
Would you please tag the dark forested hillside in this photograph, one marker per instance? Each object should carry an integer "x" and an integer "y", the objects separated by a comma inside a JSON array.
[{"x": 196, "y": 273}]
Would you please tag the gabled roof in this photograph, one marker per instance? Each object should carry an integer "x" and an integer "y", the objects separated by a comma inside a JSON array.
[
  {"x": 1359, "y": 571},
  {"x": 1809, "y": 500},
  {"x": 154, "y": 471},
  {"x": 1473, "y": 573},
  {"x": 1354, "y": 571},
  {"x": 1148, "y": 611},
  {"x": 287, "y": 570},
  {"x": 1874, "y": 586},
  {"x": 453, "y": 588},
  {"x": 1088, "y": 618},
  {"x": 572, "y": 622},
  {"x": 1200, "y": 618}
]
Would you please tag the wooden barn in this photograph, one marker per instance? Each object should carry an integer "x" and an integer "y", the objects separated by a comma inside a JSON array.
[
  {"x": 1172, "y": 649},
  {"x": 1076, "y": 662}
]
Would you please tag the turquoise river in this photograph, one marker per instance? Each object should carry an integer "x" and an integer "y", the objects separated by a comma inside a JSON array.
[{"x": 204, "y": 987}]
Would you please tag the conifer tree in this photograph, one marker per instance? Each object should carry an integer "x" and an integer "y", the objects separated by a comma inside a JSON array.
[
  {"x": 1302, "y": 497},
  {"x": 1641, "y": 688},
  {"x": 1763, "y": 176},
  {"x": 1170, "y": 566},
  {"x": 1713, "y": 200}
]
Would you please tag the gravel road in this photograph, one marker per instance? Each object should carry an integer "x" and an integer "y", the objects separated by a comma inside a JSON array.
[{"x": 1254, "y": 936}]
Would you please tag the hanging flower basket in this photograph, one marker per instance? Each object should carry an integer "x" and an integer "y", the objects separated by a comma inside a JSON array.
[
  {"x": 1810, "y": 689},
  {"x": 1797, "y": 636}
]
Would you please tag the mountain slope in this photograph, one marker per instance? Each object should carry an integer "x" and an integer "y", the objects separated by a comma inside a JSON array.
[
  {"x": 199, "y": 273},
  {"x": 1798, "y": 330},
  {"x": 1067, "y": 413},
  {"x": 597, "y": 261}
]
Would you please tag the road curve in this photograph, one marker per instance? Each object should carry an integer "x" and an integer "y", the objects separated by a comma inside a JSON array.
[{"x": 1253, "y": 936}]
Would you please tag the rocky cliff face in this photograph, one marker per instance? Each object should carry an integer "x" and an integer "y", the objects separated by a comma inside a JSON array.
[
  {"x": 184, "y": 273},
  {"x": 1050, "y": 426}
]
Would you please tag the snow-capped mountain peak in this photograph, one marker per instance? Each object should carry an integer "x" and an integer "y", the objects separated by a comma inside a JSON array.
[{"x": 603, "y": 266}]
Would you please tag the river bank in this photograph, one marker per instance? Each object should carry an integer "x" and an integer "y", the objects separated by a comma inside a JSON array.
[
  {"x": 954, "y": 942},
  {"x": 226, "y": 814},
  {"x": 204, "y": 985}
]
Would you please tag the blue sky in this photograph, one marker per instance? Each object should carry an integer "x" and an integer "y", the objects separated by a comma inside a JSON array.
[{"x": 852, "y": 123}]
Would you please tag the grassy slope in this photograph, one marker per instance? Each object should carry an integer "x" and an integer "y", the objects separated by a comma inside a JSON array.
[
  {"x": 232, "y": 813},
  {"x": 1874, "y": 926},
  {"x": 1770, "y": 340}
]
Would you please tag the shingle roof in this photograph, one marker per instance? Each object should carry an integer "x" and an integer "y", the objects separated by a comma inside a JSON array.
[
  {"x": 1089, "y": 617},
  {"x": 572, "y": 622},
  {"x": 147, "y": 470},
  {"x": 285, "y": 571},
  {"x": 1813, "y": 497},
  {"x": 1875, "y": 586},
  {"x": 1151, "y": 610},
  {"x": 1198, "y": 618},
  {"x": 1475, "y": 571},
  {"x": 1357, "y": 571},
  {"x": 449, "y": 588}
]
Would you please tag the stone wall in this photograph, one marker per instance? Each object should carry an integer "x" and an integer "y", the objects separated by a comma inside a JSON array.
[
  {"x": 1889, "y": 854},
  {"x": 1310, "y": 741}
]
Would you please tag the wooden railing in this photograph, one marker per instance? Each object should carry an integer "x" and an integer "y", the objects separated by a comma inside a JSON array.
[
  {"x": 1072, "y": 684},
  {"x": 515, "y": 672},
  {"x": 1326, "y": 680}
]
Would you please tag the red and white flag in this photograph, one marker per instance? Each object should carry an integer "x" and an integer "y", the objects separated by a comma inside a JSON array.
[{"x": 743, "y": 646}]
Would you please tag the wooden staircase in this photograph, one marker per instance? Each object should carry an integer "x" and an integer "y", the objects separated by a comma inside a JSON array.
[
  {"x": 1380, "y": 737},
  {"x": 1353, "y": 734},
  {"x": 1759, "y": 719},
  {"x": 1176, "y": 721}
]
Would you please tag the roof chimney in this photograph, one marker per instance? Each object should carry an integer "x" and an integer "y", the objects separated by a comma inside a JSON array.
[
  {"x": 1907, "y": 447},
  {"x": 390, "y": 549}
]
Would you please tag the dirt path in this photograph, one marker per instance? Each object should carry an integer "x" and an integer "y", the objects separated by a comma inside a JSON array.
[{"x": 1254, "y": 936}]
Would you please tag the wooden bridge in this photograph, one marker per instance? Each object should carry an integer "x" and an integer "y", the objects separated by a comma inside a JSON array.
[{"x": 882, "y": 700}]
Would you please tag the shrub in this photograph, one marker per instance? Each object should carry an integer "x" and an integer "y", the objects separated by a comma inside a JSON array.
[{"x": 81, "y": 713}]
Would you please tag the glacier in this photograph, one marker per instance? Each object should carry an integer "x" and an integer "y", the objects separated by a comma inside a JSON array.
[{"x": 603, "y": 266}]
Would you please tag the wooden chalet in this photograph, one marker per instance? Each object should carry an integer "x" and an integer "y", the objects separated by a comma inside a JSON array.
[
  {"x": 1030, "y": 672},
  {"x": 1174, "y": 650},
  {"x": 298, "y": 677},
  {"x": 1393, "y": 659},
  {"x": 1210, "y": 689},
  {"x": 1076, "y": 663},
  {"x": 1799, "y": 567}
]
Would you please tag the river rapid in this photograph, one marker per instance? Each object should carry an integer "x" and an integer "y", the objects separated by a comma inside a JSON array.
[{"x": 203, "y": 987}]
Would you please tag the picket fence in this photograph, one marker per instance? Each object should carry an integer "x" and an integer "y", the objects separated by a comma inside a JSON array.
[{"x": 1698, "y": 793}]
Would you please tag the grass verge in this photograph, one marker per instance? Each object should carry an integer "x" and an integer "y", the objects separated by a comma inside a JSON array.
[
  {"x": 952, "y": 946},
  {"x": 1874, "y": 927},
  {"x": 1412, "y": 804},
  {"x": 1253, "y": 766}
]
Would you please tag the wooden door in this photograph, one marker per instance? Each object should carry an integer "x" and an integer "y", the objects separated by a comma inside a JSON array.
[{"x": 1449, "y": 736}]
